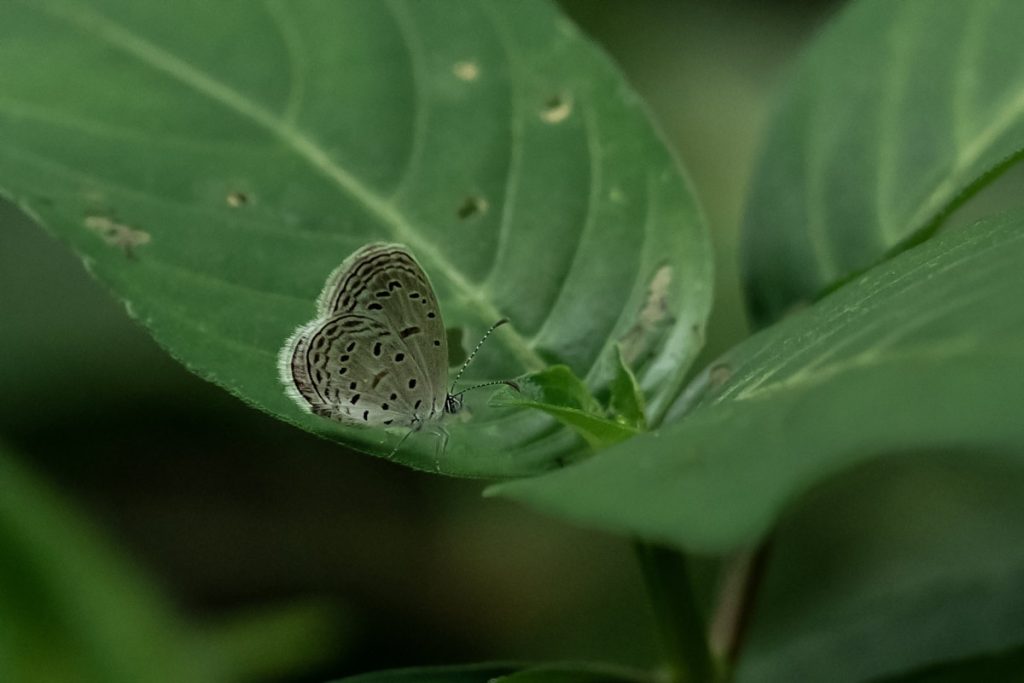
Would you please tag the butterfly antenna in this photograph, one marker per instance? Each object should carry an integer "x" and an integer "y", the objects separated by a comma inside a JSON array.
[
  {"x": 473, "y": 354},
  {"x": 507, "y": 382}
]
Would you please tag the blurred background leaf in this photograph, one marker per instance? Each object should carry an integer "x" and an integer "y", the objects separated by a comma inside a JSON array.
[
  {"x": 996, "y": 666},
  {"x": 491, "y": 138},
  {"x": 895, "y": 567},
  {"x": 897, "y": 113},
  {"x": 74, "y": 610},
  {"x": 469, "y": 673},
  {"x": 493, "y": 673},
  {"x": 71, "y": 609}
]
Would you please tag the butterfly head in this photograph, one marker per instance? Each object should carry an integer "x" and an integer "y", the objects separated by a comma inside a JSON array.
[{"x": 453, "y": 403}]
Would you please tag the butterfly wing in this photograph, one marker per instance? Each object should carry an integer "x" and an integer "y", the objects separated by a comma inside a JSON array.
[
  {"x": 377, "y": 353},
  {"x": 385, "y": 282},
  {"x": 355, "y": 369}
]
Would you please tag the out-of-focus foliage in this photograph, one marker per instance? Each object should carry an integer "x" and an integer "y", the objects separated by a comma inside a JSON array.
[
  {"x": 898, "y": 113},
  {"x": 74, "y": 612}
]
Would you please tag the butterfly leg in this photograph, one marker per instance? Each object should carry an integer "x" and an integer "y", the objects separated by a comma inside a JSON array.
[
  {"x": 441, "y": 447},
  {"x": 415, "y": 426},
  {"x": 399, "y": 444}
]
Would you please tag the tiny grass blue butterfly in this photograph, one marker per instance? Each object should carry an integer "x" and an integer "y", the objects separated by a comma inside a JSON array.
[{"x": 376, "y": 354}]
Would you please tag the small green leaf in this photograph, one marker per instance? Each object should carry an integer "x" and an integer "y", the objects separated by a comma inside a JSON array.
[
  {"x": 923, "y": 352},
  {"x": 627, "y": 400},
  {"x": 897, "y": 113},
  {"x": 559, "y": 393},
  {"x": 214, "y": 195}
]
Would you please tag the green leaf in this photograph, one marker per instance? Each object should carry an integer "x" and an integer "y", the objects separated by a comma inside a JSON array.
[
  {"x": 901, "y": 564},
  {"x": 72, "y": 610},
  {"x": 463, "y": 673},
  {"x": 627, "y": 400},
  {"x": 214, "y": 191},
  {"x": 492, "y": 673},
  {"x": 575, "y": 673},
  {"x": 896, "y": 114},
  {"x": 1003, "y": 666},
  {"x": 923, "y": 352},
  {"x": 559, "y": 393}
]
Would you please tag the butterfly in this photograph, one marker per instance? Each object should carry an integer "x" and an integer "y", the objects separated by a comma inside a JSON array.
[{"x": 376, "y": 354}]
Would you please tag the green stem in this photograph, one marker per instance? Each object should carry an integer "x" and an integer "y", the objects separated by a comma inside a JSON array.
[{"x": 680, "y": 625}]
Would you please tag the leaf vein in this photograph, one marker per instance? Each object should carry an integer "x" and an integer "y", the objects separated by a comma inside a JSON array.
[{"x": 114, "y": 34}]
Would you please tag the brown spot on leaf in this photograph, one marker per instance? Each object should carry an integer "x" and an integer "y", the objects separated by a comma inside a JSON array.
[
  {"x": 466, "y": 71},
  {"x": 654, "y": 314},
  {"x": 718, "y": 375},
  {"x": 117, "y": 234}
]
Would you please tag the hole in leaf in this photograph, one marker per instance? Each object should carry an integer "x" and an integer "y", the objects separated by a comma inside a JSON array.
[
  {"x": 472, "y": 206},
  {"x": 556, "y": 109}
]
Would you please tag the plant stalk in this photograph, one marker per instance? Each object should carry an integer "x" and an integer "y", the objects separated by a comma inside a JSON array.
[{"x": 681, "y": 628}]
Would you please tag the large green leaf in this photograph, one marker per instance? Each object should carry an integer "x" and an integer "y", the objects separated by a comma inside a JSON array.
[
  {"x": 213, "y": 162},
  {"x": 72, "y": 610},
  {"x": 926, "y": 351},
  {"x": 896, "y": 113},
  {"x": 908, "y": 562}
]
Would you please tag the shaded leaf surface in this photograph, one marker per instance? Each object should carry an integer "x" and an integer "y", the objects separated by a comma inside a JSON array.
[
  {"x": 214, "y": 189},
  {"x": 923, "y": 352},
  {"x": 465, "y": 673},
  {"x": 907, "y": 562},
  {"x": 895, "y": 113},
  {"x": 1002, "y": 666},
  {"x": 492, "y": 673},
  {"x": 574, "y": 673}
]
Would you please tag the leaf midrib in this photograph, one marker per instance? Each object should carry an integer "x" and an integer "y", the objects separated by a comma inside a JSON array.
[{"x": 123, "y": 39}]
